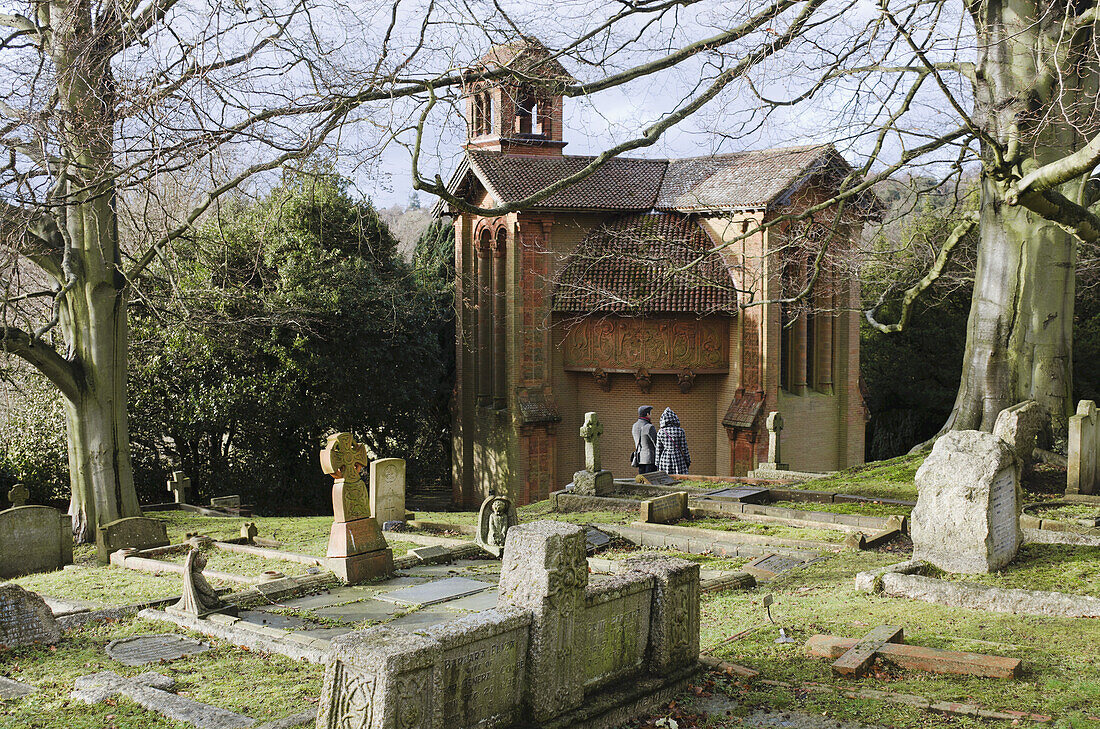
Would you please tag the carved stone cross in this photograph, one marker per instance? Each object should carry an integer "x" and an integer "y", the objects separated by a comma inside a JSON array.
[
  {"x": 343, "y": 457},
  {"x": 18, "y": 495},
  {"x": 179, "y": 485},
  {"x": 775, "y": 425},
  {"x": 591, "y": 432}
]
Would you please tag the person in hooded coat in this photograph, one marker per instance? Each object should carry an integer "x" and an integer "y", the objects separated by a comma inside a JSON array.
[{"x": 672, "y": 447}]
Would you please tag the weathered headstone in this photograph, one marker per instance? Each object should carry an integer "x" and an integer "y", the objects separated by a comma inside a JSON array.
[
  {"x": 593, "y": 480},
  {"x": 656, "y": 478},
  {"x": 664, "y": 509},
  {"x": 1082, "y": 474},
  {"x": 25, "y": 618},
  {"x": 18, "y": 495},
  {"x": 135, "y": 532},
  {"x": 497, "y": 515},
  {"x": 1018, "y": 425},
  {"x": 775, "y": 460},
  {"x": 34, "y": 539},
  {"x": 772, "y": 565},
  {"x": 178, "y": 486},
  {"x": 387, "y": 489},
  {"x": 226, "y": 502},
  {"x": 743, "y": 494},
  {"x": 139, "y": 650},
  {"x": 545, "y": 654},
  {"x": 357, "y": 550},
  {"x": 967, "y": 513},
  {"x": 249, "y": 532},
  {"x": 151, "y": 690},
  {"x": 431, "y": 554},
  {"x": 595, "y": 540}
]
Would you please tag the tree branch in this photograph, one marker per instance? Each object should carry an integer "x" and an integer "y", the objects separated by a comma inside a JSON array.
[
  {"x": 914, "y": 291},
  {"x": 60, "y": 371},
  {"x": 1055, "y": 173}
]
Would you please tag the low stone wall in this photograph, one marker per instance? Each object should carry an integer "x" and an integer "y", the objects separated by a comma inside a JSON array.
[
  {"x": 905, "y": 580},
  {"x": 555, "y": 651}
]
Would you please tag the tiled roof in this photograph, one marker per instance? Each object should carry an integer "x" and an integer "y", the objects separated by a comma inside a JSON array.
[
  {"x": 618, "y": 184},
  {"x": 527, "y": 57},
  {"x": 631, "y": 265},
  {"x": 743, "y": 411},
  {"x": 739, "y": 180},
  {"x": 743, "y": 179}
]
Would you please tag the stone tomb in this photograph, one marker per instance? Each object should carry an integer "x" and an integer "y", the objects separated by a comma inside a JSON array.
[
  {"x": 25, "y": 618},
  {"x": 387, "y": 489},
  {"x": 34, "y": 539},
  {"x": 967, "y": 513},
  {"x": 555, "y": 651},
  {"x": 135, "y": 532},
  {"x": 142, "y": 649},
  {"x": 664, "y": 509}
]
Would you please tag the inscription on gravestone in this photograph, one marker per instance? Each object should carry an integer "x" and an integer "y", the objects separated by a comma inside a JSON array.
[
  {"x": 1002, "y": 512},
  {"x": 479, "y": 680},
  {"x": 615, "y": 636}
]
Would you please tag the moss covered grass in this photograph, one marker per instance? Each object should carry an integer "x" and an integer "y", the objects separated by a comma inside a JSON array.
[
  {"x": 767, "y": 530},
  {"x": 265, "y": 687},
  {"x": 890, "y": 479},
  {"x": 303, "y": 534},
  {"x": 1061, "y": 672},
  {"x": 705, "y": 561},
  {"x": 102, "y": 585},
  {"x": 1051, "y": 567},
  {"x": 856, "y": 508}
]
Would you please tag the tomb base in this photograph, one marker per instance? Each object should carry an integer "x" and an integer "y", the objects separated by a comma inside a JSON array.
[
  {"x": 613, "y": 707},
  {"x": 349, "y": 538},
  {"x": 361, "y": 567},
  {"x": 587, "y": 483},
  {"x": 1082, "y": 498},
  {"x": 230, "y": 610}
]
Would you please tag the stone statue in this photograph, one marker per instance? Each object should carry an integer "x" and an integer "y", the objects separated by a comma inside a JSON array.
[
  {"x": 497, "y": 516},
  {"x": 199, "y": 598}
]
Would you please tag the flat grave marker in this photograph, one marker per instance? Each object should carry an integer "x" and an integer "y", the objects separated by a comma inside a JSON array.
[
  {"x": 595, "y": 539},
  {"x": 744, "y": 494},
  {"x": 151, "y": 690},
  {"x": 435, "y": 592},
  {"x": 772, "y": 565},
  {"x": 226, "y": 502},
  {"x": 14, "y": 690},
  {"x": 857, "y": 659},
  {"x": 657, "y": 478},
  {"x": 142, "y": 649}
]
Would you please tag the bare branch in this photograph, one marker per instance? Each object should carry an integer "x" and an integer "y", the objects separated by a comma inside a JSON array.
[{"x": 60, "y": 371}]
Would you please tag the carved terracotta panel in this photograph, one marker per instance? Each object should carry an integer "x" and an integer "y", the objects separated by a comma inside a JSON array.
[{"x": 660, "y": 346}]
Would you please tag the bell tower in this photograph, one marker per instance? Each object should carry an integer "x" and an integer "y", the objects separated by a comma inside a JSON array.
[{"x": 519, "y": 110}]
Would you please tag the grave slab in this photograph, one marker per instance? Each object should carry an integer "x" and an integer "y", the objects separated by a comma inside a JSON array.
[
  {"x": 150, "y": 690},
  {"x": 357, "y": 612},
  {"x": 436, "y": 592},
  {"x": 142, "y": 649},
  {"x": 657, "y": 478},
  {"x": 742, "y": 494},
  {"x": 425, "y": 618},
  {"x": 772, "y": 565},
  {"x": 14, "y": 689},
  {"x": 476, "y": 603},
  {"x": 859, "y": 657},
  {"x": 595, "y": 539}
]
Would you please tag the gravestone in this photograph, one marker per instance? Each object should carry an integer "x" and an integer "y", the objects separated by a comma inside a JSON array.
[
  {"x": 387, "y": 489},
  {"x": 142, "y": 649},
  {"x": 34, "y": 539},
  {"x": 249, "y": 532},
  {"x": 743, "y": 494},
  {"x": 552, "y": 649},
  {"x": 772, "y": 565},
  {"x": 151, "y": 690},
  {"x": 497, "y": 515},
  {"x": 25, "y": 618},
  {"x": 357, "y": 550},
  {"x": 1018, "y": 425},
  {"x": 13, "y": 689},
  {"x": 775, "y": 460},
  {"x": 178, "y": 486},
  {"x": 664, "y": 509},
  {"x": 967, "y": 513},
  {"x": 593, "y": 480},
  {"x": 431, "y": 554},
  {"x": 18, "y": 495},
  {"x": 595, "y": 540},
  {"x": 1082, "y": 474},
  {"x": 135, "y": 532},
  {"x": 656, "y": 478},
  {"x": 226, "y": 502}
]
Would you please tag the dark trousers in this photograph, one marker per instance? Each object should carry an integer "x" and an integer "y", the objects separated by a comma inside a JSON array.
[{"x": 646, "y": 467}]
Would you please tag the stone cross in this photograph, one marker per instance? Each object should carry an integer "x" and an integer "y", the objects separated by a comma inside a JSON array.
[
  {"x": 775, "y": 426},
  {"x": 591, "y": 432},
  {"x": 18, "y": 495},
  {"x": 179, "y": 485},
  {"x": 343, "y": 457}
]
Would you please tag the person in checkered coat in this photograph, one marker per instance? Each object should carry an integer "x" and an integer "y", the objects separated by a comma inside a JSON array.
[{"x": 672, "y": 447}]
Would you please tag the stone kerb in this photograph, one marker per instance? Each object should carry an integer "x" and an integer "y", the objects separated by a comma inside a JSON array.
[
  {"x": 136, "y": 532},
  {"x": 967, "y": 513},
  {"x": 1081, "y": 470},
  {"x": 387, "y": 489},
  {"x": 34, "y": 539}
]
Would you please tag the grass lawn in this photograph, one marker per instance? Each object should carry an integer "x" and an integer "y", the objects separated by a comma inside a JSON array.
[
  {"x": 265, "y": 687},
  {"x": 891, "y": 479},
  {"x": 859, "y": 508},
  {"x": 1061, "y": 678}
]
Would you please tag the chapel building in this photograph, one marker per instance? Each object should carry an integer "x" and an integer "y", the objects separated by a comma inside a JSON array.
[{"x": 616, "y": 291}]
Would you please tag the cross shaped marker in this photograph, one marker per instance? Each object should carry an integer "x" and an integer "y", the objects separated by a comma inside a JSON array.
[
  {"x": 343, "y": 457},
  {"x": 18, "y": 495},
  {"x": 179, "y": 485}
]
